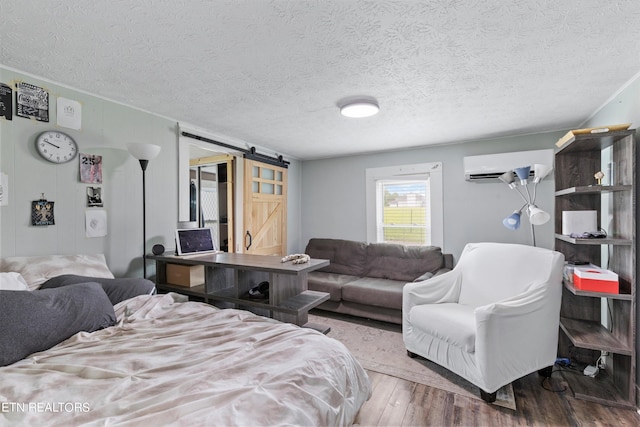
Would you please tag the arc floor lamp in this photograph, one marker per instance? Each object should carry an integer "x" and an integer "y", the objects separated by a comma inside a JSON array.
[{"x": 144, "y": 153}]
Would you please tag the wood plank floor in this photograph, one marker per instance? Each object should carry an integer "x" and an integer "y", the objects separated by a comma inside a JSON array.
[{"x": 397, "y": 402}]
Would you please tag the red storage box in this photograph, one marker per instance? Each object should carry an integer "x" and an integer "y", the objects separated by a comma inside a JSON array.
[{"x": 595, "y": 279}]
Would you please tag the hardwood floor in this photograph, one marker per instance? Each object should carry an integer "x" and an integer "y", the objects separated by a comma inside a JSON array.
[{"x": 396, "y": 402}]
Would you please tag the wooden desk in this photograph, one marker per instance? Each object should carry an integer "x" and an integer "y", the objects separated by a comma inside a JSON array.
[{"x": 229, "y": 276}]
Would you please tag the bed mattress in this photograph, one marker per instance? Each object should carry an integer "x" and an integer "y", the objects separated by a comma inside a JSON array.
[{"x": 171, "y": 362}]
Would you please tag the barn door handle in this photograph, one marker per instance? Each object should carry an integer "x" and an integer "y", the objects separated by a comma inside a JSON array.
[{"x": 250, "y": 239}]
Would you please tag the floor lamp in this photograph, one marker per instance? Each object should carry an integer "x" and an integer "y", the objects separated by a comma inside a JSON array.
[
  {"x": 528, "y": 194},
  {"x": 144, "y": 153}
]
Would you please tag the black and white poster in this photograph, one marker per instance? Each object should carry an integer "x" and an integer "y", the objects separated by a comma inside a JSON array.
[
  {"x": 6, "y": 102},
  {"x": 94, "y": 197},
  {"x": 32, "y": 101}
]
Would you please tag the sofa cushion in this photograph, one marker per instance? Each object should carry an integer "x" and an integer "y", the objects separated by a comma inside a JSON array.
[
  {"x": 449, "y": 322},
  {"x": 345, "y": 256},
  {"x": 374, "y": 291},
  {"x": 400, "y": 262},
  {"x": 329, "y": 282}
]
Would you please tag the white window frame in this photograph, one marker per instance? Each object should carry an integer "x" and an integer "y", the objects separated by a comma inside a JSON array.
[{"x": 420, "y": 171}]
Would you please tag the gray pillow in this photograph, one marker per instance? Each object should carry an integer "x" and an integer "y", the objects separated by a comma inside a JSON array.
[
  {"x": 32, "y": 321},
  {"x": 116, "y": 289}
]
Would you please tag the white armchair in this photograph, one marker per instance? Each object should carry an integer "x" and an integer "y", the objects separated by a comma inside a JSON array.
[{"x": 493, "y": 319}]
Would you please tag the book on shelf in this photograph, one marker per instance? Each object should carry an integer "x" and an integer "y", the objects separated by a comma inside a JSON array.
[{"x": 599, "y": 129}]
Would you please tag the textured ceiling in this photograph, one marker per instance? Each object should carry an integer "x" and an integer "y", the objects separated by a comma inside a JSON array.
[{"x": 271, "y": 73}]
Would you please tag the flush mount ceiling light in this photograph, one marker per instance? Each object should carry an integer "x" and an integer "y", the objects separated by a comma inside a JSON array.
[{"x": 359, "y": 108}]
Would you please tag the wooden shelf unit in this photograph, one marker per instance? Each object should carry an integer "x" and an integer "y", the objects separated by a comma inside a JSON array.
[{"x": 583, "y": 336}]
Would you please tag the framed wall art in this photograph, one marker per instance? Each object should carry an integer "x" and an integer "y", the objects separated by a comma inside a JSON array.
[
  {"x": 94, "y": 197},
  {"x": 90, "y": 168},
  {"x": 42, "y": 212},
  {"x": 6, "y": 102},
  {"x": 32, "y": 102}
]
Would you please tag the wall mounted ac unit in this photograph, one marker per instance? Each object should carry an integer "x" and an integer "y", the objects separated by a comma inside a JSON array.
[{"x": 490, "y": 166}]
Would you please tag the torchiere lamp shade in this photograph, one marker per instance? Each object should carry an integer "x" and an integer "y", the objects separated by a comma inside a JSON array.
[{"x": 143, "y": 151}]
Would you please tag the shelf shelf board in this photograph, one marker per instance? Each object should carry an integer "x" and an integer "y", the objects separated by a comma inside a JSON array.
[
  {"x": 582, "y": 293},
  {"x": 594, "y": 141},
  {"x": 304, "y": 301},
  {"x": 593, "y": 336},
  {"x": 297, "y": 304},
  {"x": 593, "y": 189},
  {"x": 194, "y": 291},
  {"x": 605, "y": 241},
  {"x": 599, "y": 389}
]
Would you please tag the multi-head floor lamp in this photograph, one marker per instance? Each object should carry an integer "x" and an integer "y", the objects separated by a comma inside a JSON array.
[{"x": 527, "y": 192}]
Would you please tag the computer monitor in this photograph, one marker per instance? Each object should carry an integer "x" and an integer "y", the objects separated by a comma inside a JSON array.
[{"x": 195, "y": 241}]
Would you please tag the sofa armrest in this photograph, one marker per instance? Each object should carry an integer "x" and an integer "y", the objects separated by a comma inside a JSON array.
[{"x": 448, "y": 261}]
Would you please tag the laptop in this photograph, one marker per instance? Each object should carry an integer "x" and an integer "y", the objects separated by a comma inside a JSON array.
[{"x": 195, "y": 241}]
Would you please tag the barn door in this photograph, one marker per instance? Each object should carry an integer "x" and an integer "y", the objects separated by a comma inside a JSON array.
[{"x": 265, "y": 209}]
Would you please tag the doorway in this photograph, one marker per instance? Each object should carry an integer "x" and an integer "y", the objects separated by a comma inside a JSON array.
[{"x": 211, "y": 197}]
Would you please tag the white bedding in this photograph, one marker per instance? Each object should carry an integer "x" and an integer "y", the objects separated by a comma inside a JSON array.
[{"x": 183, "y": 363}]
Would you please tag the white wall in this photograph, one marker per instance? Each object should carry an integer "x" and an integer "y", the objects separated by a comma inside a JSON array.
[
  {"x": 106, "y": 129},
  {"x": 333, "y": 200}
]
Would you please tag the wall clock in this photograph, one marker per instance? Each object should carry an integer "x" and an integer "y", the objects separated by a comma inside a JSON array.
[{"x": 56, "y": 146}]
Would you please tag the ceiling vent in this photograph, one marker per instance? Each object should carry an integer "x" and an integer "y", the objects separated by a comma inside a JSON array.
[{"x": 489, "y": 167}]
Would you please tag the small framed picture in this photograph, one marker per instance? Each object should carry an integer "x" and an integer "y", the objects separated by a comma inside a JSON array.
[
  {"x": 94, "y": 197},
  {"x": 90, "y": 168},
  {"x": 42, "y": 212}
]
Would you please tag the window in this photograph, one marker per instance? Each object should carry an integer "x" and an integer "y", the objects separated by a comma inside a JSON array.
[{"x": 404, "y": 204}]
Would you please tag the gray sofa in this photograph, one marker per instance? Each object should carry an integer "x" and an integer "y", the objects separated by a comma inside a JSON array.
[{"x": 366, "y": 279}]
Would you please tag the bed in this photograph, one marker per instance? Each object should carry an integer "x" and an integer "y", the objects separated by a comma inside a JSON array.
[{"x": 167, "y": 361}]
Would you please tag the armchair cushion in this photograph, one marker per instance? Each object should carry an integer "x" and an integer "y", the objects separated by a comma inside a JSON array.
[
  {"x": 453, "y": 323},
  {"x": 493, "y": 277}
]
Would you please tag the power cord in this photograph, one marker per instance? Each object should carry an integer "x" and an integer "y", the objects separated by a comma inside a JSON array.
[
  {"x": 600, "y": 363},
  {"x": 546, "y": 384},
  {"x": 566, "y": 365}
]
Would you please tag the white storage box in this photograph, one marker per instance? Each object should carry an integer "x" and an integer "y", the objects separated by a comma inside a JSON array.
[{"x": 578, "y": 222}]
